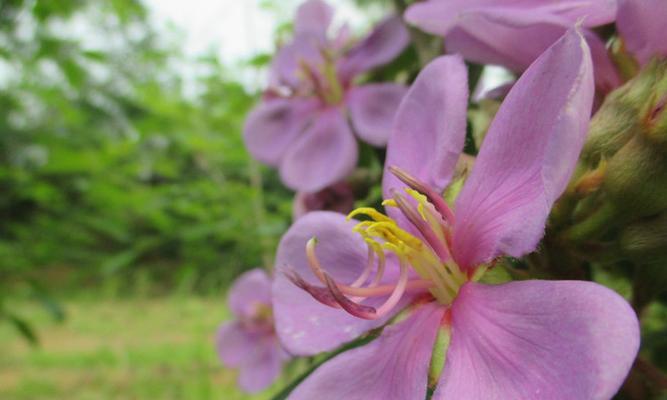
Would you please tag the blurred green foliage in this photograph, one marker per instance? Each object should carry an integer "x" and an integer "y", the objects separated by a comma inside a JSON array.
[{"x": 112, "y": 165}]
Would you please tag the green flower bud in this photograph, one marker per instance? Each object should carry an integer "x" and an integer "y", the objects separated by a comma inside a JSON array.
[
  {"x": 645, "y": 240},
  {"x": 625, "y": 113},
  {"x": 636, "y": 180}
]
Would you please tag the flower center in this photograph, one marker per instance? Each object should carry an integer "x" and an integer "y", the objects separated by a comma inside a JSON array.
[
  {"x": 422, "y": 246},
  {"x": 323, "y": 79},
  {"x": 260, "y": 318}
]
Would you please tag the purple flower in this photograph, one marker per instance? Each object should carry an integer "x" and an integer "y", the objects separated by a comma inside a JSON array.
[
  {"x": 514, "y": 33},
  {"x": 249, "y": 343},
  {"x": 532, "y": 339},
  {"x": 301, "y": 127},
  {"x": 641, "y": 23}
]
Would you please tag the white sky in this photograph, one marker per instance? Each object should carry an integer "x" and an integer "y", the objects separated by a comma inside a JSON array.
[{"x": 236, "y": 29}]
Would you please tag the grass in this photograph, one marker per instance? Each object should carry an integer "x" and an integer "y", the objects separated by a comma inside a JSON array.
[{"x": 120, "y": 349}]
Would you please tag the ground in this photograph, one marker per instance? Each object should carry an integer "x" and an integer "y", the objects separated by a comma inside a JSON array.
[{"x": 120, "y": 349}]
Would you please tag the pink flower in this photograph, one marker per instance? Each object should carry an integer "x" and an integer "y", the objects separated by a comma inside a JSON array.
[
  {"x": 641, "y": 24},
  {"x": 302, "y": 125},
  {"x": 547, "y": 340},
  {"x": 514, "y": 33},
  {"x": 249, "y": 343}
]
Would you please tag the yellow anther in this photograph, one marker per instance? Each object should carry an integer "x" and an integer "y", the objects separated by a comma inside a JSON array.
[
  {"x": 370, "y": 212},
  {"x": 389, "y": 203},
  {"x": 428, "y": 212},
  {"x": 421, "y": 200},
  {"x": 391, "y": 232}
]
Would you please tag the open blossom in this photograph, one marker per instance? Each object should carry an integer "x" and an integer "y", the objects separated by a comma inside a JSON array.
[
  {"x": 641, "y": 24},
  {"x": 530, "y": 339},
  {"x": 514, "y": 33},
  {"x": 301, "y": 127},
  {"x": 249, "y": 343}
]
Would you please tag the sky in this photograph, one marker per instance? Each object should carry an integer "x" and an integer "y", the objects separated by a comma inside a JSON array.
[{"x": 236, "y": 30}]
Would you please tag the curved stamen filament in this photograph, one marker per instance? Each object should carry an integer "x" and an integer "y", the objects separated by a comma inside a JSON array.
[
  {"x": 367, "y": 270},
  {"x": 383, "y": 290},
  {"x": 398, "y": 292},
  {"x": 382, "y": 260},
  {"x": 372, "y": 290},
  {"x": 368, "y": 312}
]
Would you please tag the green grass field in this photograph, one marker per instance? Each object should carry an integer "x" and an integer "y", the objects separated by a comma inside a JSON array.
[{"x": 119, "y": 349}]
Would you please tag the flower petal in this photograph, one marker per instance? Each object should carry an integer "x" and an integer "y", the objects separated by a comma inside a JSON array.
[
  {"x": 430, "y": 125},
  {"x": 251, "y": 288},
  {"x": 325, "y": 154},
  {"x": 489, "y": 35},
  {"x": 260, "y": 371},
  {"x": 234, "y": 344},
  {"x": 543, "y": 340},
  {"x": 527, "y": 156},
  {"x": 373, "y": 108},
  {"x": 313, "y": 18},
  {"x": 384, "y": 43},
  {"x": 286, "y": 66},
  {"x": 641, "y": 24},
  {"x": 304, "y": 326},
  {"x": 393, "y": 367},
  {"x": 439, "y": 17},
  {"x": 273, "y": 125}
]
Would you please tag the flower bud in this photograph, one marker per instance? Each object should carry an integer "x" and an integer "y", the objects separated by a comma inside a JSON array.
[
  {"x": 645, "y": 240},
  {"x": 636, "y": 181},
  {"x": 626, "y": 112}
]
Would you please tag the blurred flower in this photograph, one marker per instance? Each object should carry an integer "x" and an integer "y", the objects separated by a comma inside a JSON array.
[
  {"x": 514, "y": 33},
  {"x": 301, "y": 126},
  {"x": 641, "y": 24},
  {"x": 338, "y": 197},
  {"x": 249, "y": 343},
  {"x": 519, "y": 340}
]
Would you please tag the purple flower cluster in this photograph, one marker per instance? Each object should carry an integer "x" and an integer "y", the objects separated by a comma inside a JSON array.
[{"x": 412, "y": 277}]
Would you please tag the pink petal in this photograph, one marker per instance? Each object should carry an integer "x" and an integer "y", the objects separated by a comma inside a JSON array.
[
  {"x": 385, "y": 42},
  {"x": 286, "y": 66},
  {"x": 541, "y": 340},
  {"x": 515, "y": 36},
  {"x": 250, "y": 289},
  {"x": 273, "y": 125},
  {"x": 439, "y": 17},
  {"x": 304, "y": 326},
  {"x": 313, "y": 18},
  {"x": 263, "y": 368},
  {"x": 393, "y": 367},
  {"x": 325, "y": 154},
  {"x": 506, "y": 37},
  {"x": 527, "y": 156},
  {"x": 373, "y": 108},
  {"x": 234, "y": 344},
  {"x": 641, "y": 24},
  {"x": 430, "y": 126}
]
